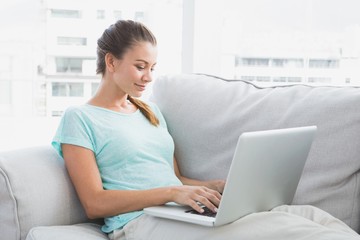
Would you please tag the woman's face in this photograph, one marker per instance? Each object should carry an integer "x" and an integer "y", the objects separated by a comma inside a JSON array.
[{"x": 134, "y": 71}]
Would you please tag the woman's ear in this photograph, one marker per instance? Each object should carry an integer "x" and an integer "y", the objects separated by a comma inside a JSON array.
[{"x": 110, "y": 62}]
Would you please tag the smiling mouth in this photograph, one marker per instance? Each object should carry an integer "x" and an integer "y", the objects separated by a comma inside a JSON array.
[{"x": 142, "y": 87}]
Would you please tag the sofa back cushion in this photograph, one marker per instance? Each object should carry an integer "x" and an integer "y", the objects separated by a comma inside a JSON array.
[
  {"x": 35, "y": 190},
  {"x": 206, "y": 115}
]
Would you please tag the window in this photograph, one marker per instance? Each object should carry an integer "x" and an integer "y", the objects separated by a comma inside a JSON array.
[
  {"x": 74, "y": 41},
  {"x": 248, "y": 78},
  {"x": 139, "y": 16},
  {"x": 295, "y": 63},
  {"x": 56, "y": 52},
  {"x": 277, "y": 39},
  {"x": 294, "y": 79},
  {"x": 67, "y": 89},
  {"x": 265, "y": 42},
  {"x": 263, "y": 78},
  {"x": 76, "y": 89},
  {"x": 57, "y": 113},
  {"x": 62, "y": 13},
  {"x": 74, "y": 65},
  {"x": 319, "y": 80},
  {"x": 117, "y": 15},
  {"x": 68, "y": 65},
  {"x": 280, "y": 79},
  {"x": 284, "y": 79},
  {"x": 257, "y": 62},
  {"x": 94, "y": 87},
  {"x": 100, "y": 14},
  {"x": 279, "y": 62},
  {"x": 323, "y": 63},
  {"x": 59, "y": 90}
]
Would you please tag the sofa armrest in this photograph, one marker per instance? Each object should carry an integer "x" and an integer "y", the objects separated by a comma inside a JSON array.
[
  {"x": 35, "y": 190},
  {"x": 82, "y": 231}
]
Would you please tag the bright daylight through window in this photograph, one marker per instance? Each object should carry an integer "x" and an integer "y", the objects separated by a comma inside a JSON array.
[{"x": 48, "y": 49}]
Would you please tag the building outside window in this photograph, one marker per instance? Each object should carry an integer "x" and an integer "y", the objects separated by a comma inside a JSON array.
[
  {"x": 280, "y": 79},
  {"x": 139, "y": 16},
  {"x": 63, "y": 13},
  {"x": 324, "y": 80},
  {"x": 60, "y": 89},
  {"x": 72, "y": 41},
  {"x": 294, "y": 79},
  {"x": 288, "y": 42},
  {"x": 100, "y": 14},
  {"x": 94, "y": 87},
  {"x": 263, "y": 78},
  {"x": 258, "y": 62},
  {"x": 324, "y": 63},
  {"x": 296, "y": 63},
  {"x": 117, "y": 14},
  {"x": 68, "y": 65}
]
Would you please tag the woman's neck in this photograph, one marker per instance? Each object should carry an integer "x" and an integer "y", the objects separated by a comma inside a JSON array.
[{"x": 106, "y": 97}]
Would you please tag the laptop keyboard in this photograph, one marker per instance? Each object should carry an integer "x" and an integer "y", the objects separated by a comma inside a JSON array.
[{"x": 207, "y": 212}]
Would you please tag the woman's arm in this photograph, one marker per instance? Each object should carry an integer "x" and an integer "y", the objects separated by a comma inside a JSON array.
[
  {"x": 217, "y": 185},
  {"x": 97, "y": 202}
]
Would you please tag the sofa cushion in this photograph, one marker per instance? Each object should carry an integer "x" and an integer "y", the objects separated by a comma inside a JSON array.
[
  {"x": 85, "y": 231},
  {"x": 206, "y": 115},
  {"x": 35, "y": 190}
]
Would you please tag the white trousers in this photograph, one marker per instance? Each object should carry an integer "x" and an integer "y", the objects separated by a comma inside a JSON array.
[{"x": 282, "y": 223}]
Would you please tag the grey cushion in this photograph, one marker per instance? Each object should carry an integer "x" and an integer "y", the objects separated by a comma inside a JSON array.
[
  {"x": 206, "y": 115},
  {"x": 35, "y": 190},
  {"x": 86, "y": 231}
]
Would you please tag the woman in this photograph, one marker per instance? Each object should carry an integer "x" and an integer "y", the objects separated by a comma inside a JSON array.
[
  {"x": 119, "y": 154},
  {"x": 116, "y": 148}
]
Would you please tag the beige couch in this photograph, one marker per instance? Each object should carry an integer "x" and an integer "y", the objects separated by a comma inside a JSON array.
[{"x": 205, "y": 116}]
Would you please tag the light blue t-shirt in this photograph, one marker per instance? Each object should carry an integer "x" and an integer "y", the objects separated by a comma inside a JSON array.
[{"x": 131, "y": 153}]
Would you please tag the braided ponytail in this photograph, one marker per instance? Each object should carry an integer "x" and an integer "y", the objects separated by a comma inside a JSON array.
[{"x": 145, "y": 110}]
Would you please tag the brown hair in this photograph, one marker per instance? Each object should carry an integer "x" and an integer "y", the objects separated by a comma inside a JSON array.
[{"x": 117, "y": 39}]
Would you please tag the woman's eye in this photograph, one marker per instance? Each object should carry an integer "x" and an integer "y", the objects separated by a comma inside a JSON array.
[{"x": 140, "y": 67}]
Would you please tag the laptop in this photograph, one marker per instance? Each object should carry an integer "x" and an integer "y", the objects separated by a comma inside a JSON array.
[{"x": 264, "y": 173}]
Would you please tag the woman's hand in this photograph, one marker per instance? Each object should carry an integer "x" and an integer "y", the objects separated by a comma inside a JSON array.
[
  {"x": 217, "y": 185},
  {"x": 196, "y": 191},
  {"x": 192, "y": 195}
]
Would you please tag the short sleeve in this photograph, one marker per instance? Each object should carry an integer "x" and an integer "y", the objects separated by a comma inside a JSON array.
[{"x": 73, "y": 129}]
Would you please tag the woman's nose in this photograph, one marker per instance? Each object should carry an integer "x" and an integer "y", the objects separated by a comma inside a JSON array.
[{"x": 147, "y": 77}]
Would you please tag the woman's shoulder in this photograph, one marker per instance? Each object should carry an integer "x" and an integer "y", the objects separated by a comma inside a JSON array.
[{"x": 76, "y": 111}]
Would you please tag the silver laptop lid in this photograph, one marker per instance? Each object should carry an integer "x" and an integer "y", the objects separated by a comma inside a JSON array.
[{"x": 265, "y": 171}]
